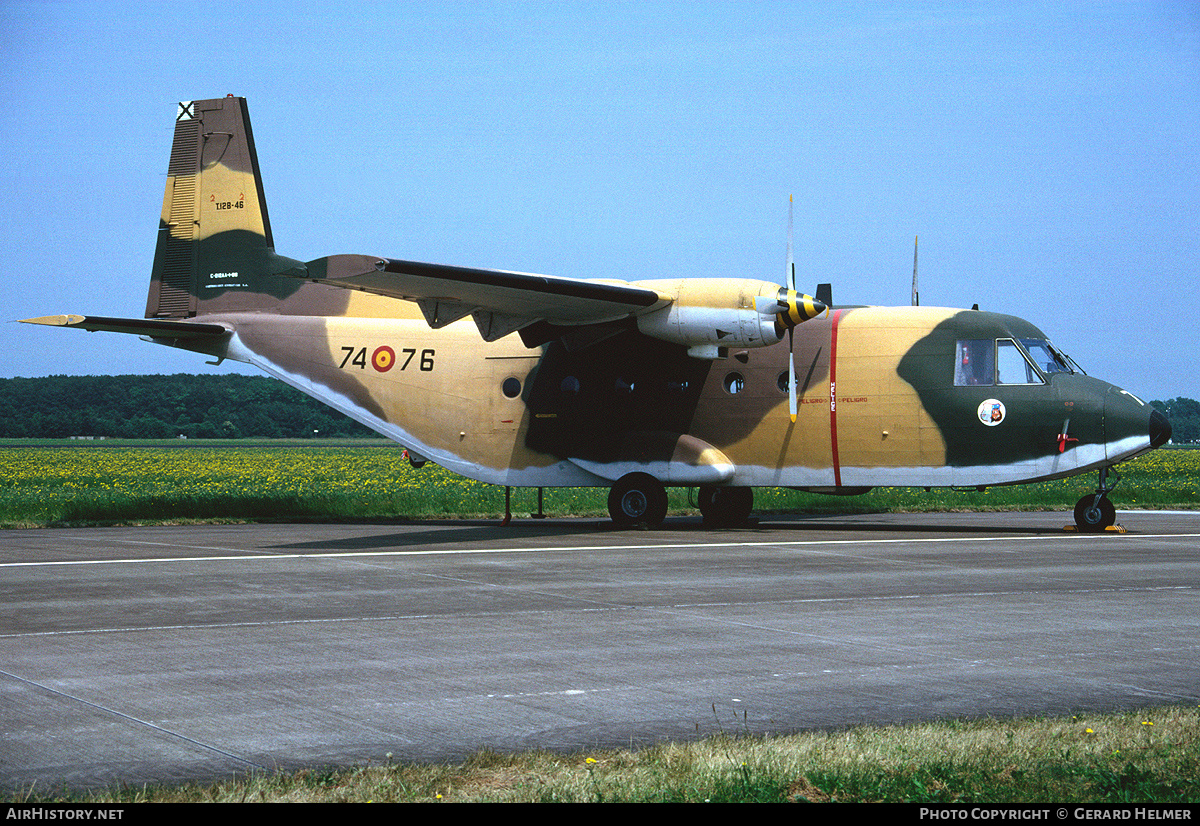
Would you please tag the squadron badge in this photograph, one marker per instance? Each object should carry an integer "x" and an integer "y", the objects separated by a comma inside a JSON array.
[{"x": 991, "y": 412}]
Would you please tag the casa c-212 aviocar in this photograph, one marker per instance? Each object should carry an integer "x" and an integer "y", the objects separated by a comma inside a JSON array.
[{"x": 723, "y": 384}]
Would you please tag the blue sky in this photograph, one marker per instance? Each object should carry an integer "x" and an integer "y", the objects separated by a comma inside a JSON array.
[{"x": 1045, "y": 153}]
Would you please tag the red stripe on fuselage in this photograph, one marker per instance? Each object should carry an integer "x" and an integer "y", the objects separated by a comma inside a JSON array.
[{"x": 833, "y": 439}]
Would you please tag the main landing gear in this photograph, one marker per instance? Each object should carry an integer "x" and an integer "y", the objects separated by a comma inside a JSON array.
[
  {"x": 638, "y": 499},
  {"x": 727, "y": 507},
  {"x": 1094, "y": 513}
]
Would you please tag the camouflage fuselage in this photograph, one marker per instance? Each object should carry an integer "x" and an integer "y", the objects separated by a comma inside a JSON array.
[
  {"x": 878, "y": 403},
  {"x": 685, "y": 380}
]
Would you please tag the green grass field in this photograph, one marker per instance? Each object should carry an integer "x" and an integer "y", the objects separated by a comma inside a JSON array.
[
  {"x": 87, "y": 483},
  {"x": 1136, "y": 757}
]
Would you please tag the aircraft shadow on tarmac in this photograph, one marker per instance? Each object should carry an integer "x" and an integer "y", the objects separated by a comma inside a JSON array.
[{"x": 460, "y": 534}]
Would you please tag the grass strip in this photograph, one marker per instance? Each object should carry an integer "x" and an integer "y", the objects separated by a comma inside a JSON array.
[{"x": 1145, "y": 756}]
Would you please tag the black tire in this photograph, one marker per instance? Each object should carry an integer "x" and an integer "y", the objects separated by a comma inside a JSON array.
[
  {"x": 637, "y": 498},
  {"x": 1092, "y": 516},
  {"x": 725, "y": 507}
]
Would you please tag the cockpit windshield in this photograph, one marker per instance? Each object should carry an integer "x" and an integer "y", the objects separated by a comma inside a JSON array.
[
  {"x": 1048, "y": 358},
  {"x": 986, "y": 362}
]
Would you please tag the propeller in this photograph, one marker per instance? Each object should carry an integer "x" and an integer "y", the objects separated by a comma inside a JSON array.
[
  {"x": 794, "y": 308},
  {"x": 791, "y": 287}
]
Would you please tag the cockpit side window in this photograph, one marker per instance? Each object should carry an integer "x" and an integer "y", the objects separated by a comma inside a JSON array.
[
  {"x": 1011, "y": 365},
  {"x": 1047, "y": 358},
  {"x": 975, "y": 363}
]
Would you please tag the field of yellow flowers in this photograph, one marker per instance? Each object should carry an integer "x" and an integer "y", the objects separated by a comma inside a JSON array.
[
  {"x": 97, "y": 484},
  {"x": 91, "y": 483}
]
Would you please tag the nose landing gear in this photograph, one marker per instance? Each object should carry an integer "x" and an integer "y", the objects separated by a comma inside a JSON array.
[{"x": 1094, "y": 512}]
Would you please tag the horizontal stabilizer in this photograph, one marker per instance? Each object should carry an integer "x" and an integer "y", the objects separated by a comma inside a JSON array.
[{"x": 136, "y": 326}]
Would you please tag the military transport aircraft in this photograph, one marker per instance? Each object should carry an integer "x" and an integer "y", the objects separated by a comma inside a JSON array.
[{"x": 634, "y": 386}]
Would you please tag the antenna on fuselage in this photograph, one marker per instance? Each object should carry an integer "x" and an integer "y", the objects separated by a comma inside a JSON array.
[{"x": 916, "y": 300}]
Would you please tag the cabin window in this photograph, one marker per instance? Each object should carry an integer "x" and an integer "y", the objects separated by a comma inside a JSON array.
[
  {"x": 511, "y": 387},
  {"x": 734, "y": 383},
  {"x": 975, "y": 363},
  {"x": 1011, "y": 365}
]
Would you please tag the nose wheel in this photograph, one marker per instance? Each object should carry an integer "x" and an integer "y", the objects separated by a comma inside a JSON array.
[{"x": 1094, "y": 512}]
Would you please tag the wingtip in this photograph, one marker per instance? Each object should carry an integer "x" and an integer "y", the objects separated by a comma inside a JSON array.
[{"x": 54, "y": 320}]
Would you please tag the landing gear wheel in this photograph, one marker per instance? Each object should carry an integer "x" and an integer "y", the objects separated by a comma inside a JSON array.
[
  {"x": 637, "y": 498},
  {"x": 1093, "y": 514},
  {"x": 725, "y": 507}
]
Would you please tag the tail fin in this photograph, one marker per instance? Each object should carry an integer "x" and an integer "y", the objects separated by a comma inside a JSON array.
[{"x": 215, "y": 252}]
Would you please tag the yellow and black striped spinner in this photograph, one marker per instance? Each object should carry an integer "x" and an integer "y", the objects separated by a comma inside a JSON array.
[{"x": 795, "y": 309}]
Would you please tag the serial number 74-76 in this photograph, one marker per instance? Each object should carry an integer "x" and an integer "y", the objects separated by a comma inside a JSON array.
[{"x": 384, "y": 358}]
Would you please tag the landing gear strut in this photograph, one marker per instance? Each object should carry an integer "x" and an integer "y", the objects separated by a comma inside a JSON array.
[{"x": 1094, "y": 513}]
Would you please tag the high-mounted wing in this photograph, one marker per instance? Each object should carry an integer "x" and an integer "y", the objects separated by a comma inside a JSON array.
[{"x": 500, "y": 302}]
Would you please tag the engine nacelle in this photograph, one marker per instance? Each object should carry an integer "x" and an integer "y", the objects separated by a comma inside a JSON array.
[{"x": 708, "y": 313}]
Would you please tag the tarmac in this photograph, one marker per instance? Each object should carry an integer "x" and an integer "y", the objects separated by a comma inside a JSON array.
[{"x": 164, "y": 654}]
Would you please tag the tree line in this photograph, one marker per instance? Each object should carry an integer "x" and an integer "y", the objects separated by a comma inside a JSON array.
[
  {"x": 1184, "y": 415},
  {"x": 233, "y": 406},
  {"x": 219, "y": 406}
]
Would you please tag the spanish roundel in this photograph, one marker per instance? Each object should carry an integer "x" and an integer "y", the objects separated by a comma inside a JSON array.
[{"x": 383, "y": 358}]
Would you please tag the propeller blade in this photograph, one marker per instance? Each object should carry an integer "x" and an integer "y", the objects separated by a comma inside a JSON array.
[
  {"x": 791, "y": 375},
  {"x": 791, "y": 264},
  {"x": 790, "y": 307},
  {"x": 791, "y": 317}
]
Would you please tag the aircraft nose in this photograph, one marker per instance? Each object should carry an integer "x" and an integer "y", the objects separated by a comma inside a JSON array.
[
  {"x": 1160, "y": 428},
  {"x": 1131, "y": 426}
]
